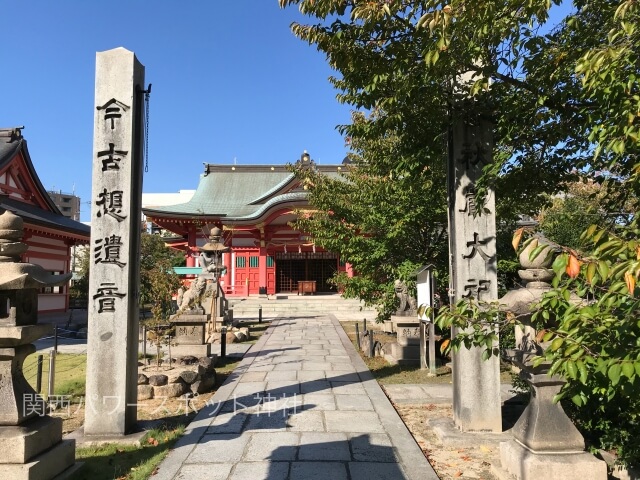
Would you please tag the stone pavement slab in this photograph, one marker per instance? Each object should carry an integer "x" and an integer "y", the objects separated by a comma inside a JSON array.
[{"x": 301, "y": 405}]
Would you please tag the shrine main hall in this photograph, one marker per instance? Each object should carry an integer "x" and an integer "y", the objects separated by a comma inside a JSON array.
[{"x": 255, "y": 206}]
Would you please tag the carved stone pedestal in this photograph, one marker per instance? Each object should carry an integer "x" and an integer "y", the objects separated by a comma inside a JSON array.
[
  {"x": 190, "y": 335},
  {"x": 518, "y": 462},
  {"x": 35, "y": 449},
  {"x": 406, "y": 349},
  {"x": 546, "y": 444},
  {"x": 31, "y": 442}
]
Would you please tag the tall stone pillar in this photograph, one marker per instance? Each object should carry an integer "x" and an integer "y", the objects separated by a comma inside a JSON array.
[
  {"x": 115, "y": 244},
  {"x": 473, "y": 271}
]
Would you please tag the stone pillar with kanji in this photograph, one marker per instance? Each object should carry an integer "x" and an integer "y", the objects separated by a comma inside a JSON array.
[
  {"x": 112, "y": 348},
  {"x": 473, "y": 270}
]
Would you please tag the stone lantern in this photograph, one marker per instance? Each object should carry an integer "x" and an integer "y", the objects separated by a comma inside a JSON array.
[
  {"x": 192, "y": 335},
  {"x": 212, "y": 268},
  {"x": 545, "y": 442},
  {"x": 211, "y": 255},
  {"x": 31, "y": 441}
]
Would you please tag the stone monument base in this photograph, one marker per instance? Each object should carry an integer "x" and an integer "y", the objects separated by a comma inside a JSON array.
[
  {"x": 404, "y": 355},
  {"x": 35, "y": 450},
  {"x": 203, "y": 350},
  {"x": 406, "y": 350},
  {"x": 520, "y": 463}
]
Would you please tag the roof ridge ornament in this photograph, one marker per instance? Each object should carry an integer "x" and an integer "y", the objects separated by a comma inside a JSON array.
[{"x": 305, "y": 161}]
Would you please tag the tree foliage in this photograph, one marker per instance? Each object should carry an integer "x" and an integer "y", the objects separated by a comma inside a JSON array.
[
  {"x": 564, "y": 96},
  {"x": 158, "y": 281},
  {"x": 384, "y": 223},
  {"x": 80, "y": 288}
]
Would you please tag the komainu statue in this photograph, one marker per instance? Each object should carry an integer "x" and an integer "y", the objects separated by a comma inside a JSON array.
[
  {"x": 407, "y": 302},
  {"x": 192, "y": 298}
]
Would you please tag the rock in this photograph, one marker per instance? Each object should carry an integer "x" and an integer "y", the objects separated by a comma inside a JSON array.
[
  {"x": 207, "y": 363},
  {"x": 190, "y": 376},
  {"x": 231, "y": 337},
  {"x": 145, "y": 392},
  {"x": 174, "y": 376},
  {"x": 170, "y": 391},
  {"x": 240, "y": 336},
  {"x": 158, "y": 380},
  {"x": 187, "y": 360},
  {"x": 143, "y": 379},
  {"x": 205, "y": 384},
  {"x": 245, "y": 331}
]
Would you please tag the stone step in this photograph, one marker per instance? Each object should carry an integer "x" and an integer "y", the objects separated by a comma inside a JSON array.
[{"x": 296, "y": 304}]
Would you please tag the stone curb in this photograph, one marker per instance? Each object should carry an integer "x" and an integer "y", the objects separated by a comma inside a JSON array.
[
  {"x": 171, "y": 465},
  {"x": 412, "y": 460}
]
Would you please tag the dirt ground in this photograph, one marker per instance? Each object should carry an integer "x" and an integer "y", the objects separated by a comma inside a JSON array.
[
  {"x": 448, "y": 462},
  {"x": 155, "y": 409}
]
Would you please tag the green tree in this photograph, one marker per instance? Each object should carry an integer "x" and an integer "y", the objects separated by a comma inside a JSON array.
[
  {"x": 383, "y": 222},
  {"x": 158, "y": 281},
  {"x": 79, "y": 291},
  {"x": 564, "y": 98},
  {"x": 569, "y": 215}
]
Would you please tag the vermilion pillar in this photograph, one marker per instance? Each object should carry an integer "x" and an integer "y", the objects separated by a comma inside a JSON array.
[
  {"x": 226, "y": 261},
  {"x": 191, "y": 247},
  {"x": 262, "y": 271},
  {"x": 349, "y": 269}
]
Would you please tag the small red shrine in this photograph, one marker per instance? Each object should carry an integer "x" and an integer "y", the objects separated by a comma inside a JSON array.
[{"x": 254, "y": 205}]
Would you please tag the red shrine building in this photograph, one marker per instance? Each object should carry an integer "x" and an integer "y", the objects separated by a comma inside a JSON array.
[
  {"x": 50, "y": 236},
  {"x": 254, "y": 205}
]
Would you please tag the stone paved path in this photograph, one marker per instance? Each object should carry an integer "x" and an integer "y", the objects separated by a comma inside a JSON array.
[{"x": 302, "y": 405}]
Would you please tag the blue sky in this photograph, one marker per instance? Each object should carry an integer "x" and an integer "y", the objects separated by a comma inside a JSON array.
[{"x": 229, "y": 79}]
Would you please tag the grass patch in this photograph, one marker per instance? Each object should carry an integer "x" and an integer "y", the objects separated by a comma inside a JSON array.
[
  {"x": 388, "y": 374},
  {"x": 70, "y": 373},
  {"x": 128, "y": 462},
  {"x": 255, "y": 328}
]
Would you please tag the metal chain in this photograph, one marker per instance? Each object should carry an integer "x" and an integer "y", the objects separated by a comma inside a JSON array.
[{"x": 146, "y": 129}]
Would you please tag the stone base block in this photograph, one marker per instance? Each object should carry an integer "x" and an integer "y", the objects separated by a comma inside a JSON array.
[
  {"x": 408, "y": 362},
  {"x": 22, "y": 443},
  {"x": 189, "y": 318},
  {"x": 523, "y": 464},
  {"x": 193, "y": 350},
  {"x": 405, "y": 352},
  {"x": 45, "y": 466},
  {"x": 387, "y": 326}
]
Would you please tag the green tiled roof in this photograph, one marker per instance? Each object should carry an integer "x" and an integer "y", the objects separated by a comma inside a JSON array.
[{"x": 240, "y": 192}]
